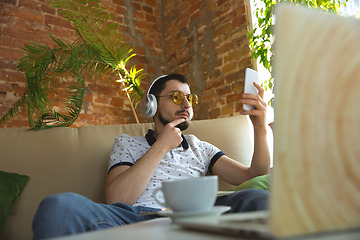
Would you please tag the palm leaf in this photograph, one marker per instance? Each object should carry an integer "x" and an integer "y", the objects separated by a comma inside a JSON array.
[
  {"x": 90, "y": 18},
  {"x": 73, "y": 106}
]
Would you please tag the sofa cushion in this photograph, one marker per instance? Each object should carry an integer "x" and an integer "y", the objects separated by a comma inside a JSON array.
[
  {"x": 260, "y": 182},
  {"x": 11, "y": 185}
]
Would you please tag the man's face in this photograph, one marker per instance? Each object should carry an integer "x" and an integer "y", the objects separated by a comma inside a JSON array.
[{"x": 167, "y": 110}]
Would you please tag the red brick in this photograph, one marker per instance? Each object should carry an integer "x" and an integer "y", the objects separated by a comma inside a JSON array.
[
  {"x": 22, "y": 13},
  {"x": 20, "y": 34},
  {"x": 227, "y": 110},
  {"x": 225, "y": 48},
  {"x": 230, "y": 67},
  {"x": 242, "y": 8},
  {"x": 193, "y": 17},
  {"x": 101, "y": 120},
  {"x": 28, "y": 4},
  {"x": 118, "y": 2},
  {"x": 16, "y": 77},
  {"x": 151, "y": 3},
  {"x": 215, "y": 84},
  {"x": 88, "y": 97},
  {"x": 214, "y": 113},
  {"x": 3, "y": 75},
  {"x": 208, "y": 95},
  {"x": 5, "y": 87},
  {"x": 5, "y": 41},
  {"x": 12, "y": 2},
  {"x": 95, "y": 109},
  {"x": 23, "y": 25},
  {"x": 63, "y": 34},
  {"x": 246, "y": 62},
  {"x": 223, "y": 91},
  {"x": 233, "y": 98},
  {"x": 117, "y": 120},
  {"x": 222, "y": 29},
  {"x": 47, "y": 9},
  {"x": 108, "y": 91},
  {"x": 15, "y": 55},
  {"x": 137, "y": 6},
  {"x": 119, "y": 19},
  {"x": 58, "y": 21},
  {"x": 116, "y": 101},
  {"x": 151, "y": 18},
  {"x": 120, "y": 10},
  {"x": 240, "y": 21},
  {"x": 2, "y": 99},
  {"x": 112, "y": 111},
  {"x": 84, "y": 118},
  {"x": 102, "y": 100},
  {"x": 238, "y": 86},
  {"x": 195, "y": 7},
  {"x": 150, "y": 70},
  {"x": 148, "y": 9},
  {"x": 221, "y": 2},
  {"x": 233, "y": 56},
  {"x": 7, "y": 63},
  {"x": 17, "y": 124},
  {"x": 235, "y": 76},
  {"x": 138, "y": 16},
  {"x": 143, "y": 25},
  {"x": 109, "y": 7}
]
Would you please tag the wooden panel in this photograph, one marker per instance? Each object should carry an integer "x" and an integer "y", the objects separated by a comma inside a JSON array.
[{"x": 316, "y": 182}]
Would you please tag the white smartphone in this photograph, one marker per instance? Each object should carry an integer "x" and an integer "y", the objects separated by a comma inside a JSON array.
[{"x": 251, "y": 76}]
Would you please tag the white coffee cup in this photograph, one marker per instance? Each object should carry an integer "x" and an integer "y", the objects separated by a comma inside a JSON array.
[{"x": 189, "y": 194}]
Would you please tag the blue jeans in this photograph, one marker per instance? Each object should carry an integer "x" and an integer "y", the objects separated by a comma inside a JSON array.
[{"x": 70, "y": 213}]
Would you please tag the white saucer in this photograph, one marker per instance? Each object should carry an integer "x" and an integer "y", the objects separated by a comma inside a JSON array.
[{"x": 178, "y": 216}]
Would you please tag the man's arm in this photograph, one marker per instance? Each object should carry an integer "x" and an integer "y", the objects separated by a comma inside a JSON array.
[
  {"x": 125, "y": 184},
  {"x": 236, "y": 173}
]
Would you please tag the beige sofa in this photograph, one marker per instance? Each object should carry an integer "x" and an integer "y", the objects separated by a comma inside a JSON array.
[{"x": 76, "y": 160}]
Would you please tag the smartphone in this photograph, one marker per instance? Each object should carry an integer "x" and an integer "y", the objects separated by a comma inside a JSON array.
[{"x": 251, "y": 76}]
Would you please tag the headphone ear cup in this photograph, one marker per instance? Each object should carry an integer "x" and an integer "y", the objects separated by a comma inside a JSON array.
[
  {"x": 151, "y": 106},
  {"x": 191, "y": 114}
]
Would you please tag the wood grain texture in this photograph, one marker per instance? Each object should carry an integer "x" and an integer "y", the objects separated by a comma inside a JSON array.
[{"x": 316, "y": 180}]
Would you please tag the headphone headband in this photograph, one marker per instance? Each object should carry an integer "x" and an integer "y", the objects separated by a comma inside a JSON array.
[{"x": 148, "y": 92}]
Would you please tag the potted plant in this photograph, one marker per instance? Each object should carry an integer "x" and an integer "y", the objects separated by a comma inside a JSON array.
[{"x": 98, "y": 50}]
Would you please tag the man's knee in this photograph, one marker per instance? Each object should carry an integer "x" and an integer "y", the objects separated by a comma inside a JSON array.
[
  {"x": 246, "y": 200},
  {"x": 253, "y": 199},
  {"x": 59, "y": 202},
  {"x": 54, "y": 208},
  {"x": 56, "y": 215}
]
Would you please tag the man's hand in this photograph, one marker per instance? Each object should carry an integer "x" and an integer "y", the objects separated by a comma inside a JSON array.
[
  {"x": 170, "y": 136},
  {"x": 257, "y": 116}
]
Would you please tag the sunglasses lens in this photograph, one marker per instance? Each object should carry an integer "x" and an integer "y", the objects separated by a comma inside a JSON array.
[
  {"x": 178, "y": 97},
  {"x": 193, "y": 99}
]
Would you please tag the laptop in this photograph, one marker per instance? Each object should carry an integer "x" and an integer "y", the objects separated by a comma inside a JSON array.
[{"x": 315, "y": 185}]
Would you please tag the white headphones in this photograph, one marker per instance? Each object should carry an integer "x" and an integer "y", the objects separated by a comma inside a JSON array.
[{"x": 151, "y": 102}]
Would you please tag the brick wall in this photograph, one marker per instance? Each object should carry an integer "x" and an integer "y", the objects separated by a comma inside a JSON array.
[
  {"x": 206, "y": 41},
  {"x": 203, "y": 39}
]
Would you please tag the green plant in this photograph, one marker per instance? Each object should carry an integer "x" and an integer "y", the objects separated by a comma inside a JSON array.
[
  {"x": 261, "y": 38},
  {"x": 98, "y": 50}
]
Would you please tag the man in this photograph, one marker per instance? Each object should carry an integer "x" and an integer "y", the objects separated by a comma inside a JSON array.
[{"x": 138, "y": 165}]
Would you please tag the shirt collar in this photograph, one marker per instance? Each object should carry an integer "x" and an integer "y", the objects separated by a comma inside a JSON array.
[{"x": 151, "y": 139}]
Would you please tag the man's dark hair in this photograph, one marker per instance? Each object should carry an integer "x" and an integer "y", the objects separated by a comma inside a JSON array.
[{"x": 159, "y": 85}]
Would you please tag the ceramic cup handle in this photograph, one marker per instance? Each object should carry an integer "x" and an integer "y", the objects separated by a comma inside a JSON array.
[{"x": 155, "y": 193}]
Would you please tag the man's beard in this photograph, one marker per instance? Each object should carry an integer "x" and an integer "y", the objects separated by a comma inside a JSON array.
[{"x": 182, "y": 126}]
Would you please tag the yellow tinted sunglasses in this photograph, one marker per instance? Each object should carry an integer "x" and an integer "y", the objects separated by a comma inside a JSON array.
[{"x": 178, "y": 98}]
